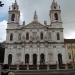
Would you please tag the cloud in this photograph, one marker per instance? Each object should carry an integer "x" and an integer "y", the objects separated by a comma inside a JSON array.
[
  {"x": 70, "y": 35},
  {"x": 3, "y": 26},
  {"x": 27, "y": 8}
]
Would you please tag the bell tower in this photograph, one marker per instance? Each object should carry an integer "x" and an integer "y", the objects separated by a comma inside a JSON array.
[
  {"x": 55, "y": 14},
  {"x": 14, "y": 16}
]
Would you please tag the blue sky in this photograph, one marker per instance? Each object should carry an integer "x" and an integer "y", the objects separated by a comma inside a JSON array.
[{"x": 27, "y": 8}]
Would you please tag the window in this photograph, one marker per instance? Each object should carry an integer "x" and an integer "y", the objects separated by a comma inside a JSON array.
[
  {"x": 27, "y": 59},
  {"x": 56, "y": 16},
  {"x": 14, "y": 7},
  {"x": 13, "y": 17},
  {"x": 54, "y": 7},
  {"x": 19, "y": 36},
  {"x": 9, "y": 59},
  {"x": 27, "y": 36},
  {"x": 69, "y": 55},
  {"x": 42, "y": 59},
  {"x": 41, "y": 36},
  {"x": 11, "y": 37},
  {"x": 58, "y": 36}
]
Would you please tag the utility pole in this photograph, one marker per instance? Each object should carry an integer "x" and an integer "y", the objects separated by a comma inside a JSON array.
[{"x": 1, "y": 4}]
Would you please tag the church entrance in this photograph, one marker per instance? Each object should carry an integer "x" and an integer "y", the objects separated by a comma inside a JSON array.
[
  {"x": 34, "y": 59},
  {"x": 42, "y": 59},
  {"x": 9, "y": 59},
  {"x": 27, "y": 59},
  {"x": 60, "y": 59}
]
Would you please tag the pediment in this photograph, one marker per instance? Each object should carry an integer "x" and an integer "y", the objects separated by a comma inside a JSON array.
[{"x": 34, "y": 24}]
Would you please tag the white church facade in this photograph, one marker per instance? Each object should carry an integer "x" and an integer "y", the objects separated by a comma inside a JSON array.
[{"x": 35, "y": 43}]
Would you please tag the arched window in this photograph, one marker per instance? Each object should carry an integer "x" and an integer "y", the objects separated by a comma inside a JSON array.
[
  {"x": 27, "y": 36},
  {"x": 58, "y": 36},
  {"x": 54, "y": 7},
  {"x": 11, "y": 37},
  {"x": 27, "y": 59},
  {"x": 13, "y": 17},
  {"x": 56, "y": 16},
  {"x": 9, "y": 59},
  {"x": 42, "y": 59},
  {"x": 41, "y": 36},
  {"x": 14, "y": 7},
  {"x": 34, "y": 59},
  {"x": 60, "y": 59}
]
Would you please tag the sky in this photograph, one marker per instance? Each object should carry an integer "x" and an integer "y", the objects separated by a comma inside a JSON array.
[{"x": 27, "y": 8}]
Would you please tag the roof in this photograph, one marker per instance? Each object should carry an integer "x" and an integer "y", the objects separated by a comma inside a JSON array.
[
  {"x": 69, "y": 40},
  {"x": 34, "y": 24}
]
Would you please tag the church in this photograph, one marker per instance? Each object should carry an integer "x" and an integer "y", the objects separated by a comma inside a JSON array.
[{"x": 35, "y": 43}]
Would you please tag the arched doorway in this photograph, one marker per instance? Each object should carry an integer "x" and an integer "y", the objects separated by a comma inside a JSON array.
[
  {"x": 9, "y": 59},
  {"x": 34, "y": 59},
  {"x": 27, "y": 59},
  {"x": 42, "y": 59},
  {"x": 60, "y": 59}
]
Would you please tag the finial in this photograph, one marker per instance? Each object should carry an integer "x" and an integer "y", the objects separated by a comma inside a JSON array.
[
  {"x": 15, "y": 1},
  {"x": 45, "y": 22},
  {"x": 35, "y": 16},
  {"x": 23, "y": 22},
  {"x": 9, "y": 8},
  {"x": 53, "y": 0}
]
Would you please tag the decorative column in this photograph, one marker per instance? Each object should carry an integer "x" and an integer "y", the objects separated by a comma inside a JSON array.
[
  {"x": 48, "y": 67},
  {"x": 30, "y": 59},
  {"x": 57, "y": 65},
  {"x": 23, "y": 56},
  {"x": 27, "y": 66},
  {"x": 17, "y": 66},
  {"x": 46, "y": 56},
  {"x": 66, "y": 67}
]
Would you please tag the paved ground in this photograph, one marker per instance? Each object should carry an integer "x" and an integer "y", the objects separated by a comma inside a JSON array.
[
  {"x": 72, "y": 72},
  {"x": 67, "y": 72}
]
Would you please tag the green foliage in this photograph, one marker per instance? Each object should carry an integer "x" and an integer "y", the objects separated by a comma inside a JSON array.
[{"x": 2, "y": 50}]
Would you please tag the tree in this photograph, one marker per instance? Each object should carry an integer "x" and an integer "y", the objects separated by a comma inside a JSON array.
[
  {"x": 2, "y": 50},
  {"x": 1, "y": 4}
]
